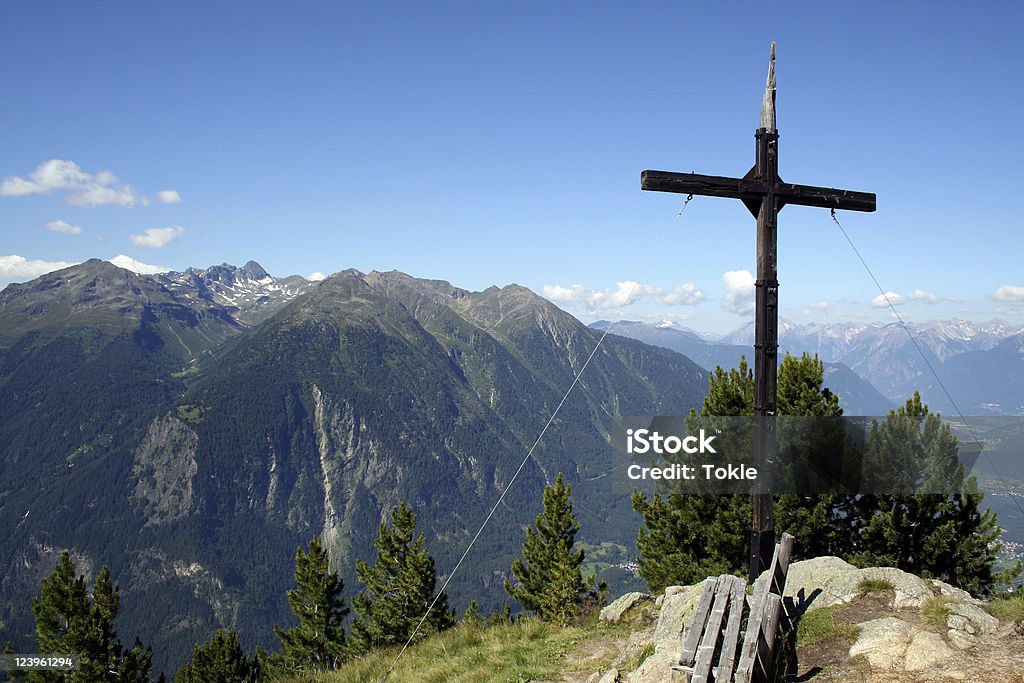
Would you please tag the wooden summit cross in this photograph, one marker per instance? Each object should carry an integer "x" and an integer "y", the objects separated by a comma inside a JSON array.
[{"x": 764, "y": 194}]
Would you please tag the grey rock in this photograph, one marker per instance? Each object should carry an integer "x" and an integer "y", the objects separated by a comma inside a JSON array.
[
  {"x": 883, "y": 642},
  {"x": 671, "y": 590},
  {"x": 658, "y": 667},
  {"x": 952, "y": 592},
  {"x": 614, "y": 611},
  {"x": 982, "y": 620},
  {"x": 960, "y": 639},
  {"x": 677, "y": 611},
  {"x": 926, "y": 650},
  {"x": 909, "y": 590},
  {"x": 955, "y": 622},
  {"x": 805, "y": 579}
]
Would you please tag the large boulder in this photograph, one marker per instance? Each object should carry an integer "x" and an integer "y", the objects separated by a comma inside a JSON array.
[
  {"x": 970, "y": 619},
  {"x": 926, "y": 650},
  {"x": 677, "y": 612},
  {"x": 805, "y": 579},
  {"x": 891, "y": 644},
  {"x": 909, "y": 590},
  {"x": 657, "y": 668},
  {"x": 883, "y": 642},
  {"x": 614, "y": 611}
]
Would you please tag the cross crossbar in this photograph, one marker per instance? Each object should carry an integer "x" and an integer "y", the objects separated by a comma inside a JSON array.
[{"x": 752, "y": 189}]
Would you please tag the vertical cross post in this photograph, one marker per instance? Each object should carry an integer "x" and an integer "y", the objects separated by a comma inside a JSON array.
[
  {"x": 764, "y": 194},
  {"x": 766, "y": 344}
]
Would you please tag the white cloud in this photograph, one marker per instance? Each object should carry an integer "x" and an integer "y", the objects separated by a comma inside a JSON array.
[
  {"x": 61, "y": 226},
  {"x": 169, "y": 196},
  {"x": 98, "y": 195},
  {"x": 739, "y": 291},
  {"x": 84, "y": 189},
  {"x": 883, "y": 300},
  {"x": 315, "y": 276},
  {"x": 55, "y": 174},
  {"x": 128, "y": 263},
  {"x": 684, "y": 295},
  {"x": 1008, "y": 293},
  {"x": 157, "y": 237},
  {"x": 19, "y": 268},
  {"x": 923, "y": 297},
  {"x": 626, "y": 293}
]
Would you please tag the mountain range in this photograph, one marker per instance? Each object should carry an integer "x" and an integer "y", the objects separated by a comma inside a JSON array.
[
  {"x": 190, "y": 430},
  {"x": 973, "y": 368}
]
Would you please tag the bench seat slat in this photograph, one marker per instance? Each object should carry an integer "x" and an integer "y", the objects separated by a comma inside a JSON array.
[
  {"x": 712, "y": 631},
  {"x": 689, "y": 654}
]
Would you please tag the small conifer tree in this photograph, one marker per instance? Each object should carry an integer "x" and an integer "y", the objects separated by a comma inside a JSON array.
[
  {"x": 549, "y": 577},
  {"x": 70, "y": 620},
  {"x": 399, "y": 588},
  {"x": 221, "y": 660},
  {"x": 318, "y": 641}
]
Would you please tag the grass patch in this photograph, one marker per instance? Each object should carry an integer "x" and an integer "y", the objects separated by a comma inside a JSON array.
[
  {"x": 821, "y": 624},
  {"x": 1009, "y": 608},
  {"x": 874, "y": 586},
  {"x": 191, "y": 414},
  {"x": 526, "y": 650},
  {"x": 935, "y": 610}
]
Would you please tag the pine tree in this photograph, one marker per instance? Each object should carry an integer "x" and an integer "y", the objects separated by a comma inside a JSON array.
[
  {"x": 940, "y": 533},
  {"x": 62, "y": 610},
  {"x": 221, "y": 660},
  {"x": 399, "y": 588},
  {"x": 688, "y": 536},
  {"x": 549, "y": 577},
  {"x": 472, "y": 616},
  {"x": 318, "y": 641},
  {"x": 71, "y": 621}
]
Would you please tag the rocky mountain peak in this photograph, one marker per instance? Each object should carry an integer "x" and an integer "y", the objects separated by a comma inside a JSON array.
[{"x": 249, "y": 293}]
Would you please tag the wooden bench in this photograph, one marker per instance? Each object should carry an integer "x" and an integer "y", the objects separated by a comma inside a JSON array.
[{"x": 717, "y": 625}]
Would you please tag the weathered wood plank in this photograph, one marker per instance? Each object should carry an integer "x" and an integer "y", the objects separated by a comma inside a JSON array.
[
  {"x": 779, "y": 567},
  {"x": 748, "y": 653},
  {"x": 730, "y": 641},
  {"x": 706, "y": 185},
  {"x": 689, "y": 653},
  {"x": 825, "y": 197},
  {"x": 712, "y": 631},
  {"x": 750, "y": 189},
  {"x": 766, "y": 643}
]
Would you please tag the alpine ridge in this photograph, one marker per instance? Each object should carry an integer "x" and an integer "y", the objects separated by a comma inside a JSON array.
[{"x": 191, "y": 430}]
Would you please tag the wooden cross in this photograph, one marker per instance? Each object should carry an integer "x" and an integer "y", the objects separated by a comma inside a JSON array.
[{"x": 764, "y": 194}]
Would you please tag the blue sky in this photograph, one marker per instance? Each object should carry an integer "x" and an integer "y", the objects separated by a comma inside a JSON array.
[{"x": 488, "y": 143}]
